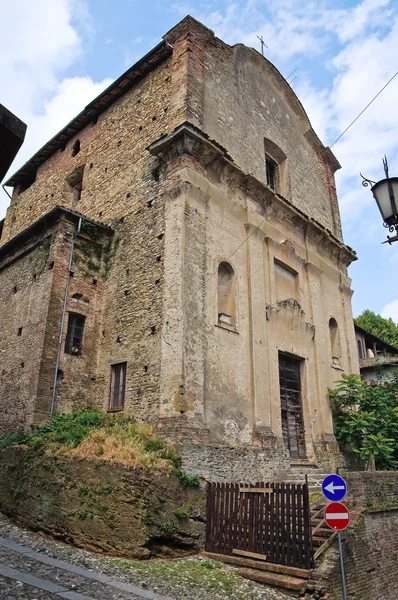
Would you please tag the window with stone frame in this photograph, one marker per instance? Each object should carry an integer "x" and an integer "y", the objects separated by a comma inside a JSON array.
[
  {"x": 74, "y": 334},
  {"x": 117, "y": 386},
  {"x": 271, "y": 173},
  {"x": 275, "y": 167}
]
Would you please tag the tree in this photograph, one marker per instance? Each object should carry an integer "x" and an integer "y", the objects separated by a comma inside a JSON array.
[
  {"x": 385, "y": 329},
  {"x": 366, "y": 419}
]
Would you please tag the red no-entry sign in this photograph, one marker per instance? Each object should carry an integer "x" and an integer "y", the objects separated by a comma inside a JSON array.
[{"x": 337, "y": 516}]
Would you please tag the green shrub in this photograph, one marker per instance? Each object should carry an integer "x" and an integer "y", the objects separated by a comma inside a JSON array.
[{"x": 188, "y": 480}]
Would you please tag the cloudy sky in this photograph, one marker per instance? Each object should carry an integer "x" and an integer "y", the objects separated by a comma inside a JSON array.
[{"x": 57, "y": 55}]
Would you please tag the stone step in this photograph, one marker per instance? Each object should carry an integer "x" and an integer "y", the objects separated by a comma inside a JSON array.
[
  {"x": 318, "y": 540},
  {"x": 259, "y": 565},
  {"x": 274, "y": 579},
  {"x": 324, "y": 532}
]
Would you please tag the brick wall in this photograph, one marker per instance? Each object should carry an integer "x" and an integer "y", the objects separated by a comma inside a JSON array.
[
  {"x": 122, "y": 186},
  {"x": 25, "y": 287},
  {"x": 370, "y": 554}
]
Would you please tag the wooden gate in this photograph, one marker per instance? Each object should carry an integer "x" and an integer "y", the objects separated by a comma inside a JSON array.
[{"x": 267, "y": 521}]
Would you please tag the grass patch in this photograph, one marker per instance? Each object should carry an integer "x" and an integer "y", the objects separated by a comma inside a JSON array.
[
  {"x": 197, "y": 576},
  {"x": 315, "y": 496},
  {"x": 101, "y": 437}
]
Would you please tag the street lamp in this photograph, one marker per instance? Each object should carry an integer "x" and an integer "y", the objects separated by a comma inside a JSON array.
[{"x": 385, "y": 193}]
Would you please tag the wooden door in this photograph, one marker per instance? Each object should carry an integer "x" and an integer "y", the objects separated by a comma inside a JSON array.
[{"x": 291, "y": 406}]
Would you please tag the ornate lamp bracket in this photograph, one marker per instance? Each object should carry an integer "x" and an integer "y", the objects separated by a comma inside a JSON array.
[{"x": 367, "y": 182}]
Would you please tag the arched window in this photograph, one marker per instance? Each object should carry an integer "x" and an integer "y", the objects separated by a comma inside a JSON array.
[
  {"x": 226, "y": 295},
  {"x": 334, "y": 341}
]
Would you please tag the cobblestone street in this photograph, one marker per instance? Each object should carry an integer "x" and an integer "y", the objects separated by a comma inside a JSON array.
[{"x": 36, "y": 567}]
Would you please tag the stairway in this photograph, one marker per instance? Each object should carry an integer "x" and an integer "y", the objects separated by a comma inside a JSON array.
[{"x": 322, "y": 535}]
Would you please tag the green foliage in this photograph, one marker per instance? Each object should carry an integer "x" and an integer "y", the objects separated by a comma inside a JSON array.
[
  {"x": 168, "y": 528},
  {"x": 91, "y": 229},
  {"x": 188, "y": 480},
  {"x": 209, "y": 564},
  {"x": 181, "y": 513},
  {"x": 366, "y": 418},
  {"x": 96, "y": 427},
  {"x": 385, "y": 329},
  {"x": 13, "y": 439},
  {"x": 67, "y": 430}
]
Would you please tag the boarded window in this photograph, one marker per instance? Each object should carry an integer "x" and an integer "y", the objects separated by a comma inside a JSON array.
[
  {"x": 286, "y": 280},
  {"x": 74, "y": 335},
  {"x": 118, "y": 386},
  {"x": 226, "y": 295}
]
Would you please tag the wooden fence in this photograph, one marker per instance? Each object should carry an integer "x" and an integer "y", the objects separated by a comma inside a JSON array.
[{"x": 265, "y": 521}]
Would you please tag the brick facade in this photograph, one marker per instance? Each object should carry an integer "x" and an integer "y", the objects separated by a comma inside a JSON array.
[{"x": 172, "y": 159}]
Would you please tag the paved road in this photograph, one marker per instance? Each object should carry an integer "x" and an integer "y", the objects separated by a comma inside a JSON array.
[{"x": 26, "y": 574}]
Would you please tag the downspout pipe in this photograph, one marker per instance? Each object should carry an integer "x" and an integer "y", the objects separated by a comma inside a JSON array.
[{"x": 61, "y": 327}]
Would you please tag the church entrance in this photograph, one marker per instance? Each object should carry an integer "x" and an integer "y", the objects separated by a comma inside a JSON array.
[{"x": 291, "y": 406}]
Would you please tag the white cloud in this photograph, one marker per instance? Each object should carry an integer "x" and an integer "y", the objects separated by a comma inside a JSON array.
[
  {"x": 34, "y": 53},
  {"x": 390, "y": 311}
]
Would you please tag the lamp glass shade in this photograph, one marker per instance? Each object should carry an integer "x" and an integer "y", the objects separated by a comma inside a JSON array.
[{"x": 381, "y": 193}]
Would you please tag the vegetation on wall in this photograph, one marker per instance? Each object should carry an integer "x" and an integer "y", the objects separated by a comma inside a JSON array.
[
  {"x": 95, "y": 435},
  {"x": 385, "y": 329},
  {"x": 366, "y": 419}
]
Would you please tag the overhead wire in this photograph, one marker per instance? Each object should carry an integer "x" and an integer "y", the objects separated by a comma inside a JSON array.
[{"x": 290, "y": 194}]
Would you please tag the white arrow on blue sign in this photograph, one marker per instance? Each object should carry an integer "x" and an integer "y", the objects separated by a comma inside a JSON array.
[{"x": 334, "y": 488}]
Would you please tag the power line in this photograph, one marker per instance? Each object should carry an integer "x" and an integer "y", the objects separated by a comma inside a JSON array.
[{"x": 293, "y": 188}]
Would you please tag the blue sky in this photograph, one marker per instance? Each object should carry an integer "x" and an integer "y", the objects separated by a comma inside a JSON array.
[{"x": 57, "y": 55}]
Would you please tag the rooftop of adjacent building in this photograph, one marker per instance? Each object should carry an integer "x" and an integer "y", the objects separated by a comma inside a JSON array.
[
  {"x": 378, "y": 351},
  {"x": 12, "y": 135}
]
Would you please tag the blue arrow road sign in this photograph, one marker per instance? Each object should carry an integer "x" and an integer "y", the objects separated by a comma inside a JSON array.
[{"x": 334, "y": 488}]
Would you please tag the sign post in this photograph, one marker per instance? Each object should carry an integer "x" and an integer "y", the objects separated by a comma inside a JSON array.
[{"x": 337, "y": 515}]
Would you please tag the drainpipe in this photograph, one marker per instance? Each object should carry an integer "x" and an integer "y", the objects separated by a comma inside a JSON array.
[{"x": 61, "y": 327}]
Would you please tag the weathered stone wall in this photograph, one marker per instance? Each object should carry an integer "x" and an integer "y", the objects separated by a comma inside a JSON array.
[
  {"x": 231, "y": 464},
  {"x": 33, "y": 281},
  {"x": 372, "y": 487},
  {"x": 100, "y": 506},
  {"x": 121, "y": 186},
  {"x": 250, "y": 101},
  {"x": 230, "y": 374}
]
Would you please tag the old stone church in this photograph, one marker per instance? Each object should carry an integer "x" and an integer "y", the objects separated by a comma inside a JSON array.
[{"x": 176, "y": 252}]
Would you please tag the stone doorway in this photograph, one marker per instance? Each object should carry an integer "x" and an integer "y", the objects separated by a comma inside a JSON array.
[{"x": 291, "y": 406}]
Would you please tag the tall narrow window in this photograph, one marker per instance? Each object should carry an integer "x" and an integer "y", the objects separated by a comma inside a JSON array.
[
  {"x": 118, "y": 386},
  {"x": 335, "y": 341},
  {"x": 360, "y": 350},
  {"x": 275, "y": 167},
  {"x": 270, "y": 171},
  {"x": 74, "y": 335},
  {"x": 226, "y": 295}
]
